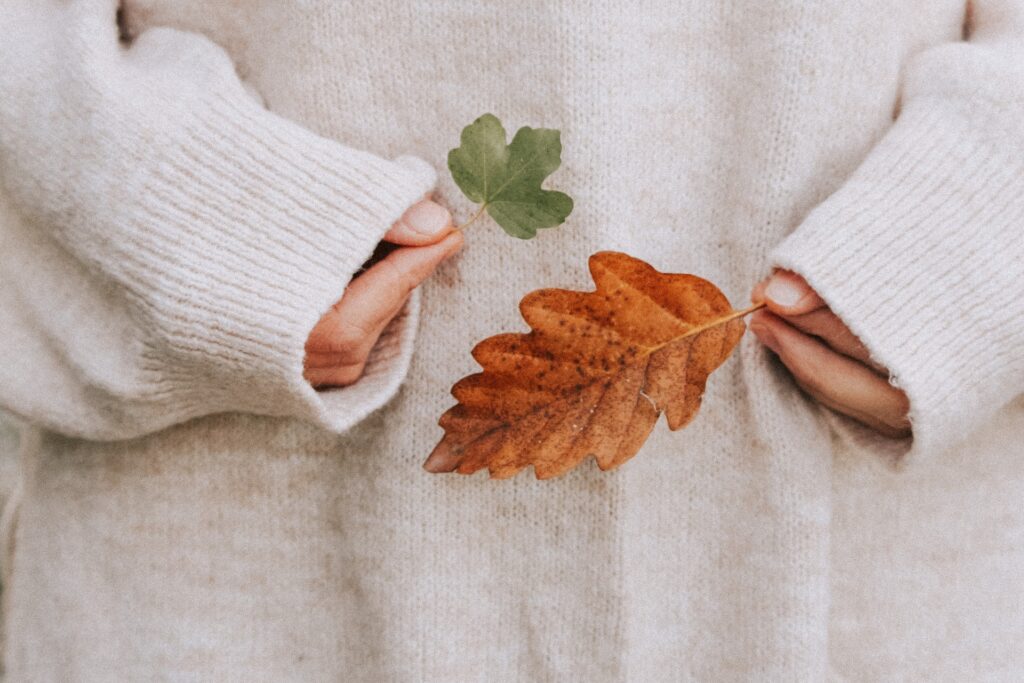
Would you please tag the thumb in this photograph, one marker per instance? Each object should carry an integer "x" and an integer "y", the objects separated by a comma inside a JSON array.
[
  {"x": 426, "y": 222},
  {"x": 786, "y": 293},
  {"x": 376, "y": 296}
]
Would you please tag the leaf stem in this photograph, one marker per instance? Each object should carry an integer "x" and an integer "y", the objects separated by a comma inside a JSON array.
[
  {"x": 726, "y": 318},
  {"x": 707, "y": 326},
  {"x": 480, "y": 212}
]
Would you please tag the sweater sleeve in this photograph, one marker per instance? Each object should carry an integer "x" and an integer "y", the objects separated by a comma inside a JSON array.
[
  {"x": 921, "y": 252},
  {"x": 167, "y": 244}
]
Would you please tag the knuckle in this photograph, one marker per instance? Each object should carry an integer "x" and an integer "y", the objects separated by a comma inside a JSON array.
[{"x": 349, "y": 338}]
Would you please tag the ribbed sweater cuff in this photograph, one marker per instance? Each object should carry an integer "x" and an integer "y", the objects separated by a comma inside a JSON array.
[
  {"x": 248, "y": 230},
  {"x": 921, "y": 254}
]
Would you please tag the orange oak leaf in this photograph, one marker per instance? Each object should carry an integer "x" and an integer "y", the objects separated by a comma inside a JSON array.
[{"x": 592, "y": 376}]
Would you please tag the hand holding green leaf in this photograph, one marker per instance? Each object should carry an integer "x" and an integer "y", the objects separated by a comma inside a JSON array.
[{"x": 505, "y": 179}]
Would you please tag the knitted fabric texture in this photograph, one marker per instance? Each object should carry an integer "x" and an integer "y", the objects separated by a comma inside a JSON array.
[{"x": 189, "y": 508}]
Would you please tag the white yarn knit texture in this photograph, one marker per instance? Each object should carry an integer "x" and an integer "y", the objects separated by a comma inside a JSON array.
[{"x": 188, "y": 508}]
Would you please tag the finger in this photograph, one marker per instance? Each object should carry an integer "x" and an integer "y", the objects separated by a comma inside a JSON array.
[
  {"x": 835, "y": 380},
  {"x": 374, "y": 298},
  {"x": 334, "y": 353},
  {"x": 830, "y": 328},
  {"x": 786, "y": 293},
  {"x": 324, "y": 369},
  {"x": 819, "y": 321},
  {"x": 387, "y": 284},
  {"x": 425, "y": 222},
  {"x": 340, "y": 376}
]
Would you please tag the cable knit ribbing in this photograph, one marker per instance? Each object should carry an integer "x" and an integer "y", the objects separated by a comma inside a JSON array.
[{"x": 299, "y": 216}]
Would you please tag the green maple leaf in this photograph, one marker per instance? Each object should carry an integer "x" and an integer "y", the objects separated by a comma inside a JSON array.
[{"x": 506, "y": 179}]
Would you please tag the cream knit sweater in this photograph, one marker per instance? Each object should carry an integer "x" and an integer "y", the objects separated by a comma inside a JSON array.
[{"x": 190, "y": 509}]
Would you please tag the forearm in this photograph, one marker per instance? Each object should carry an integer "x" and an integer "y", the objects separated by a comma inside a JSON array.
[
  {"x": 204, "y": 235},
  {"x": 920, "y": 251}
]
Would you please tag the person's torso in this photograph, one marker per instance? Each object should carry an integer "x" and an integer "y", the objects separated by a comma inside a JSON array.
[{"x": 695, "y": 136}]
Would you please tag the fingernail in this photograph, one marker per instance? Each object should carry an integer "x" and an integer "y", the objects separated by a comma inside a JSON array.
[
  {"x": 427, "y": 218},
  {"x": 784, "y": 291}
]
